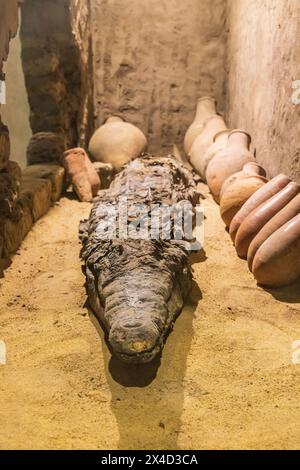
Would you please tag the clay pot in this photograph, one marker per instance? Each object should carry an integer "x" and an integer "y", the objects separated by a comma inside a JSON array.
[
  {"x": 117, "y": 142},
  {"x": 84, "y": 177},
  {"x": 93, "y": 176},
  {"x": 220, "y": 141},
  {"x": 237, "y": 189},
  {"x": 282, "y": 217},
  {"x": 212, "y": 126},
  {"x": 260, "y": 196},
  {"x": 206, "y": 107},
  {"x": 228, "y": 161},
  {"x": 254, "y": 222},
  {"x": 277, "y": 261}
]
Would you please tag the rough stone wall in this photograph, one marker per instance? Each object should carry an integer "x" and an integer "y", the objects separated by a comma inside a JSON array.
[
  {"x": 263, "y": 60},
  {"x": 81, "y": 25},
  {"x": 152, "y": 59},
  {"x": 8, "y": 27},
  {"x": 56, "y": 41}
]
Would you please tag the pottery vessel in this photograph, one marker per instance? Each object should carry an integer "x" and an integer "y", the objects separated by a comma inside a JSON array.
[
  {"x": 212, "y": 126},
  {"x": 228, "y": 161},
  {"x": 220, "y": 141},
  {"x": 83, "y": 175},
  {"x": 206, "y": 107},
  {"x": 277, "y": 261},
  {"x": 260, "y": 196},
  {"x": 254, "y": 222},
  {"x": 282, "y": 217},
  {"x": 117, "y": 142},
  {"x": 93, "y": 176},
  {"x": 237, "y": 189}
]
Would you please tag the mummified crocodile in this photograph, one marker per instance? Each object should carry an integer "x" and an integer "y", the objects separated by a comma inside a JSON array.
[{"x": 137, "y": 287}]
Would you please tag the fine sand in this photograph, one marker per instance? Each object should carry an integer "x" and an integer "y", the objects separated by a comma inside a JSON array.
[{"x": 225, "y": 379}]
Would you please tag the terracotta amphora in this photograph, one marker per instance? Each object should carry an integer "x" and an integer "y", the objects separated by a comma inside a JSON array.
[
  {"x": 212, "y": 126},
  {"x": 237, "y": 189},
  {"x": 84, "y": 177},
  {"x": 220, "y": 141},
  {"x": 263, "y": 194},
  {"x": 228, "y": 161},
  {"x": 282, "y": 217},
  {"x": 255, "y": 221},
  {"x": 206, "y": 107},
  {"x": 277, "y": 261}
]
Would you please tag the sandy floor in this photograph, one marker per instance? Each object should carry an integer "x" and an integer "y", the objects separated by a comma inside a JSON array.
[{"x": 225, "y": 380}]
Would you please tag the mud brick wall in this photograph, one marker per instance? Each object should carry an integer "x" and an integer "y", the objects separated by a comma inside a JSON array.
[
  {"x": 152, "y": 59},
  {"x": 56, "y": 41},
  {"x": 263, "y": 60}
]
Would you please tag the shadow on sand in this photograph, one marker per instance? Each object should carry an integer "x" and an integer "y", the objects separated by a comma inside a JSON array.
[
  {"x": 147, "y": 400},
  {"x": 289, "y": 294}
]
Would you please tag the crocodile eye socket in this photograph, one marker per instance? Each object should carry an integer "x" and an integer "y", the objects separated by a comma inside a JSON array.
[{"x": 132, "y": 325}]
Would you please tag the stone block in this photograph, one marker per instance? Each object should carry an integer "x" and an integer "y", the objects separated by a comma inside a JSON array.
[
  {"x": 10, "y": 180},
  {"x": 1, "y": 248},
  {"x": 38, "y": 192},
  {"x": 15, "y": 229},
  {"x": 42, "y": 64},
  {"x": 4, "y": 146},
  {"x": 45, "y": 147},
  {"x": 53, "y": 173}
]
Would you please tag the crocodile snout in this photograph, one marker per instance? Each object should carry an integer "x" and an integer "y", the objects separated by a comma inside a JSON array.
[{"x": 135, "y": 341}]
